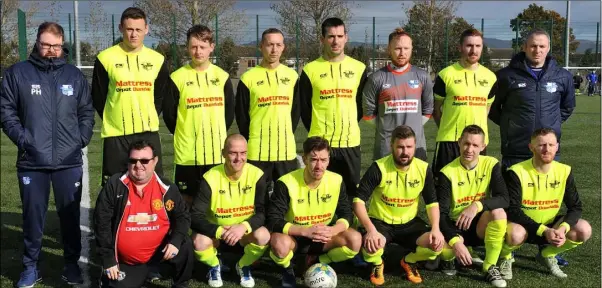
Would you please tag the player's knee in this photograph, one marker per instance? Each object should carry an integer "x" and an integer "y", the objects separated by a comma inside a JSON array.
[
  {"x": 280, "y": 244},
  {"x": 353, "y": 239},
  {"x": 498, "y": 214},
  {"x": 261, "y": 236},
  {"x": 582, "y": 231},
  {"x": 515, "y": 234},
  {"x": 201, "y": 242}
]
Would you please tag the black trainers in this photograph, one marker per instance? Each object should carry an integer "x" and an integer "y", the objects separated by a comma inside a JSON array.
[
  {"x": 494, "y": 277},
  {"x": 448, "y": 267},
  {"x": 72, "y": 274},
  {"x": 288, "y": 278}
]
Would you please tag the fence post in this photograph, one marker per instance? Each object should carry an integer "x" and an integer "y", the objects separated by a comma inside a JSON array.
[
  {"x": 482, "y": 32},
  {"x": 597, "y": 43},
  {"x": 297, "y": 43},
  {"x": 70, "y": 41},
  {"x": 22, "y": 35},
  {"x": 373, "y": 43},
  {"x": 113, "y": 27},
  {"x": 551, "y": 35},
  {"x": 517, "y": 26},
  {"x": 446, "y": 43},
  {"x": 174, "y": 52},
  {"x": 216, "y": 38}
]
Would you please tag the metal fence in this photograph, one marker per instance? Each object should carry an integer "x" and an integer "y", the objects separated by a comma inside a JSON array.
[{"x": 368, "y": 38}]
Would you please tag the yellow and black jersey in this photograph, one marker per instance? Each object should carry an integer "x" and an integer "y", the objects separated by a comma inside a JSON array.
[
  {"x": 459, "y": 187},
  {"x": 536, "y": 198},
  {"x": 465, "y": 95},
  {"x": 331, "y": 100},
  {"x": 199, "y": 112},
  {"x": 393, "y": 194},
  {"x": 224, "y": 202},
  {"x": 267, "y": 112},
  {"x": 294, "y": 203},
  {"x": 128, "y": 90}
]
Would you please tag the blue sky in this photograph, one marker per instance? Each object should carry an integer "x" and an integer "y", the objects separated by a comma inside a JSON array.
[{"x": 497, "y": 15}]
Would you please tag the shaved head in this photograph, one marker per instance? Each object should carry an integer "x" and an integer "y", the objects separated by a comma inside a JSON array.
[{"x": 232, "y": 139}]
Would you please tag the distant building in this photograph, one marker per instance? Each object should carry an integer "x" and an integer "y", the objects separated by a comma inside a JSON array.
[{"x": 500, "y": 57}]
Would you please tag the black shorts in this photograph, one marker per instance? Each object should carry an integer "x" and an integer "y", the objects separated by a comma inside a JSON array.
[
  {"x": 541, "y": 240},
  {"x": 445, "y": 153},
  {"x": 402, "y": 234},
  {"x": 470, "y": 236},
  {"x": 307, "y": 246},
  {"x": 115, "y": 153},
  {"x": 347, "y": 163},
  {"x": 275, "y": 169},
  {"x": 187, "y": 177}
]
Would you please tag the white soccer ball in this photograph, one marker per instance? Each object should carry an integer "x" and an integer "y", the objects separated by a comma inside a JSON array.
[{"x": 320, "y": 276}]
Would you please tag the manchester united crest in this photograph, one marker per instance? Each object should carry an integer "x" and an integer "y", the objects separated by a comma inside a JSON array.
[
  {"x": 157, "y": 204},
  {"x": 169, "y": 205}
]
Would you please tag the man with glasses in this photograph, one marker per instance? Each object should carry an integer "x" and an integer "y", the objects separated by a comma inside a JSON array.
[
  {"x": 141, "y": 219},
  {"x": 50, "y": 124}
]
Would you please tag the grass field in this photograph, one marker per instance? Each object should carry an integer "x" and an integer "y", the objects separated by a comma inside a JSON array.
[{"x": 580, "y": 149}]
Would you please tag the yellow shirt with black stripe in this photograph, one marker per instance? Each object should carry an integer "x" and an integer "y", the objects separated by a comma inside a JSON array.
[
  {"x": 200, "y": 124},
  {"x": 294, "y": 203},
  {"x": 393, "y": 194},
  {"x": 129, "y": 102},
  {"x": 536, "y": 198},
  {"x": 267, "y": 112},
  {"x": 466, "y": 95},
  {"x": 331, "y": 104},
  {"x": 223, "y": 202}
]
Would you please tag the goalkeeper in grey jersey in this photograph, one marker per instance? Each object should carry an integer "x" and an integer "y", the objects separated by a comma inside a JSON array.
[{"x": 398, "y": 94}]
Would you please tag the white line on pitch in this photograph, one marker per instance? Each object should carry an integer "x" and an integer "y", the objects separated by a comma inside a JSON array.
[{"x": 84, "y": 211}]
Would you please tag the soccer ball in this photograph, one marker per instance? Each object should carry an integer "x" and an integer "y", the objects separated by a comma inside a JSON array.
[{"x": 320, "y": 276}]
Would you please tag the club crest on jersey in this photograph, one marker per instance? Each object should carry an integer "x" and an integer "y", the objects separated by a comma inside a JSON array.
[
  {"x": 326, "y": 198},
  {"x": 215, "y": 81},
  {"x": 413, "y": 84},
  {"x": 147, "y": 66},
  {"x": 483, "y": 83},
  {"x": 386, "y": 86},
  {"x": 414, "y": 183},
  {"x": 348, "y": 73},
  {"x": 551, "y": 87},
  {"x": 67, "y": 90},
  {"x": 157, "y": 204},
  {"x": 285, "y": 80},
  {"x": 554, "y": 184},
  {"x": 246, "y": 189},
  {"x": 169, "y": 205}
]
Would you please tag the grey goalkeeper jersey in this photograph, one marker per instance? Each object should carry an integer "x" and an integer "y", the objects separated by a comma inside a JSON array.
[{"x": 397, "y": 98}]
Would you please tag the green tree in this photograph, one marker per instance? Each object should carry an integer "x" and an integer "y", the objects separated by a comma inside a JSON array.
[
  {"x": 588, "y": 59},
  {"x": 536, "y": 16},
  {"x": 228, "y": 57}
]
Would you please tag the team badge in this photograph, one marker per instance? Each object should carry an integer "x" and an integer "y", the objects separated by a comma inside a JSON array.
[
  {"x": 326, "y": 198},
  {"x": 169, "y": 205},
  {"x": 285, "y": 80},
  {"x": 26, "y": 180},
  {"x": 157, "y": 204},
  {"x": 414, "y": 183},
  {"x": 215, "y": 81},
  {"x": 246, "y": 189},
  {"x": 483, "y": 83},
  {"x": 551, "y": 87},
  {"x": 348, "y": 73},
  {"x": 414, "y": 84},
  {"x": 147, "y": 66},
  {"x": 67, "y": 90}
]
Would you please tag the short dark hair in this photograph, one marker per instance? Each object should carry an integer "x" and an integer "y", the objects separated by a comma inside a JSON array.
[
  {"x": 133, "y": 13},
  {"x": 200, "y": 32},
  {"x": 468, "y": 33},
  {"x": 542, "y": 132},
  {"x": 315, "y": 143},
  {"x": 331, "y": 22},
  {"x": 271, "y": 31},
  {"x": 473, "y": 130},
  {"x": 402, "y": 132},
  {"x": 398, "y": 32},
  {"x": 536, "y": 31},
  {"x": 140, "y": 145},
  {"x": 51, "y": 27}
]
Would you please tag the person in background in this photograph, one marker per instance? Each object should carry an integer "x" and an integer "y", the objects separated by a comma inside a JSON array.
[
  {"x": 46, "y": 110},
  {"x": 577, "y": 80}
]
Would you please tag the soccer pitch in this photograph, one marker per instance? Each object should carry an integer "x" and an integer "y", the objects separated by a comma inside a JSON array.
[{"x": 580, "y": 149}]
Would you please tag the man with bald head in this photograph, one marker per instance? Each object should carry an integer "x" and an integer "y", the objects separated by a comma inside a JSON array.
[
  {"x": 229, "y": 212},
  {"x": 533, "y": 92}
]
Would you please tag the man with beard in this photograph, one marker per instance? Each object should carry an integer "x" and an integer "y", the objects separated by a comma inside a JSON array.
[
  {"x": 331, "y": 105},
  {"x": 229, "y": 213},
  {"x": 198, "y": 111},
  {"x": 309, "y": 212},
  {"x": 46, "y": 111},
  {"x": 393, "y": 185},
  {"x": 464, "y": 92},
  {"x": 398, "y": 94},
  {"x": 472, "y": 197},
  {"x": 267, "y": 110},
  {"x": 537, "y": 188}
]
